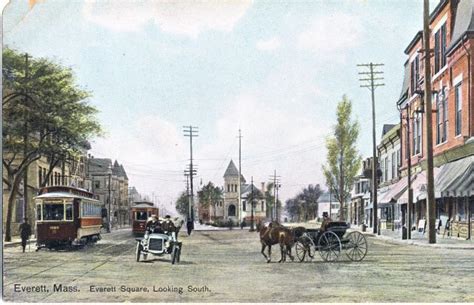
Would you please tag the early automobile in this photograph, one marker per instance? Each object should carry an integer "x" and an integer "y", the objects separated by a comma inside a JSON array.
[{"x": 160, "y": 243}]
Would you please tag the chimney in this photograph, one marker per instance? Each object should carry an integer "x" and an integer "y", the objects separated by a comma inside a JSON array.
[{"x": 263, "y": 187}]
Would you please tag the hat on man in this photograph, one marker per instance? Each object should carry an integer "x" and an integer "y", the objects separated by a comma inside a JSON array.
[
  {"x": 167, "y": 217},
  {"x": 325, "y": 214}
]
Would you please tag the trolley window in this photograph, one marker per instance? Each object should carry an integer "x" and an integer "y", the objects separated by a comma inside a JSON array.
[
  {"x": 91, "y": 209},
  {"x": 141, "y": 215},
  {"x": 38, "y": 212},
  {"x": 68, "y": 211},
  {"x": 53, "y": 211}
]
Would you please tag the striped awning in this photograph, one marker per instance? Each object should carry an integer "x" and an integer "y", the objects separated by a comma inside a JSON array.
[
  {"x": 456, "y": 179},
  {"x": 394, "y": 192},
  {"x": 419, "y": 185}
]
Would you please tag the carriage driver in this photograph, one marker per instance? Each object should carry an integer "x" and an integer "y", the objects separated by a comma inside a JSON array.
[{"x": 326, "y": 221}]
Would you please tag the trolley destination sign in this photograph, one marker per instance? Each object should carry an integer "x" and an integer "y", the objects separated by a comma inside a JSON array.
[{"x": 237, "y": 151}]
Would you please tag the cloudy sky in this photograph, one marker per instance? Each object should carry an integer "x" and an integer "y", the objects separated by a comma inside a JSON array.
[{"x": 276, "y": 70}]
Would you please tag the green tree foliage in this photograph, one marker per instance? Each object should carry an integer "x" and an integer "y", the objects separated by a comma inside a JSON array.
[
  {"x": 182, "y": 204},
  {"x": 44, "y": 114},
  {"x": 343, "y": 159},
  {"x": 304, "y": 206},
  {"x": 210, "y": 195}
]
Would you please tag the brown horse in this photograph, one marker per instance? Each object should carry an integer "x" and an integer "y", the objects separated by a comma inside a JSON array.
[{"x": 274, "y": 234}]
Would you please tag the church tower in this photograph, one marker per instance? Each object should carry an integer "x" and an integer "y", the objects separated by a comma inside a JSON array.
[{"x": 231, "y": 200}]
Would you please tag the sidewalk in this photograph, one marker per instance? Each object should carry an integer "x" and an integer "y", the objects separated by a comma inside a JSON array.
[
  {"x": 418, "y": 239},
  {"x": 16, "y": 240}
]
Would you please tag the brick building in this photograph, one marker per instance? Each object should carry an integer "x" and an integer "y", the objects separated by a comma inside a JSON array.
[{"x": 452, "y": 41}]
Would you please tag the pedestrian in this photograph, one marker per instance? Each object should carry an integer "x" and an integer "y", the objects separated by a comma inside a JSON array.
[
  {"x": 190, "y": 226},
  {"x": 25, "y": 232},
  {"x": 230, "y": 224},
  {"x": 242, "y": 224}
]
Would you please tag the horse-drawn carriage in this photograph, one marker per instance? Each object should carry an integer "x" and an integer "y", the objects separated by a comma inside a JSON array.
[{"x": 330, "y": 243}]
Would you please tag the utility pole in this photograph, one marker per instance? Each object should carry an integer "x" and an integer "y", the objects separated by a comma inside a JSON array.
[
  {"x": 110, "y": 199},
  {"x": 239, "y": 191},
  {"x": 330, "y": 202},
  {"x": 188, "y": 173},
  {"x": 191, "y": 132},
  {"x": 431, "y": 204},
  {"x": 276, "y": 180},
  {"x": 252, "y": 204},
  {"x": 410, "y": 191},
  {"x": 372, "y": 77}
]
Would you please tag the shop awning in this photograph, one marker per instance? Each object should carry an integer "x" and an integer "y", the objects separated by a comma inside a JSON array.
[
  {"x": 456, "y": 179},
  {"x": 394, "y": 192},
  {"x": 418, "y": 186}
]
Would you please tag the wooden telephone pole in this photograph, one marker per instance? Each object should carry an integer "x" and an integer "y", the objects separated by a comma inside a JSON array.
[
  {"x": 372, "y": 77},
  {"x": 430, "y": 199}
]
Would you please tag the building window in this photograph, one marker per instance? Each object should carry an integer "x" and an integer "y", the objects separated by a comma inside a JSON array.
[
  {"x": 97, "y": 185},
  {"x": 385, "y": 172},
  {"x": 441, "y": 117},
  {"x": 440, "y": 48},
  {"x": 263, "y": 205},
  {"x": 415, "y": 74},
  {"x": 394, "y": 165},
  {"x": 458, "y": 105},
  {"x": 416, "y": 134},
  {"x": 228, "y": 188},
  {"x": 244, "y": 205}
]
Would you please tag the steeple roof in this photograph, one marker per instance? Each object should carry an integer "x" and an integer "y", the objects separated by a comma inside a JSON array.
[{"x": 231, "y": 170}]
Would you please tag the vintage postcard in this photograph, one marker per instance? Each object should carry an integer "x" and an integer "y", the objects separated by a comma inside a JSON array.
[{"x": 237, "y": 151}]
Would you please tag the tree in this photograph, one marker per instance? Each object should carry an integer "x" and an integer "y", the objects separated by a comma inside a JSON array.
[
  {"x": 304, "y": 205},
  {"x": 209, "y": 195},
  {"x": 309, "y": 197},
  {"x": 343, "y": 159},
  {"x": 293, "y": 209},
  {"x": 182, "y": 204},
  {"x": 269, "y": 199},
  {"x": 44, "y": 114}
]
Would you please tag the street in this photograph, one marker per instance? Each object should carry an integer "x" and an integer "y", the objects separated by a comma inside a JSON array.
[{"x": 226, "y": 266}]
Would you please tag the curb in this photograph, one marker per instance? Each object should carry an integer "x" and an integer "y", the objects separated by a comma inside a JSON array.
[
  {"x": 11, "y": 244},
  {"x": 415, "y": 243}
]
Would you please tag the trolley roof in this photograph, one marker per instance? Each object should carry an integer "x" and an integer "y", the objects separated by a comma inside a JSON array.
[
  {"x": 143, "y": 204},
  {"x": 57, "y": 195}
]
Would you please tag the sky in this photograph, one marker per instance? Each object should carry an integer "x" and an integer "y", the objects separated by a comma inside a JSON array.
[{"x": 273, "y": 69}]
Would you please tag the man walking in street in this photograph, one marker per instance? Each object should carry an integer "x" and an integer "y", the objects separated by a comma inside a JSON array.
[{"x": 25, "y": 232}]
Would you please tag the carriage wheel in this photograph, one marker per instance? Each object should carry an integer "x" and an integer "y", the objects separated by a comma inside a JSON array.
[
  {"x": 174, "y": 254},
  {"x": 305, "y": 249},
  {"x": 357, "y": 246},
  {"x": 329, "y": 246},
  {"x": 138, "y": 251}
]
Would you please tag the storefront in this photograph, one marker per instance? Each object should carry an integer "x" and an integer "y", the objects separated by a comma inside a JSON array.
[
  {"x": 455, "y": 187},
  {"x": 390, "y": 211}
]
